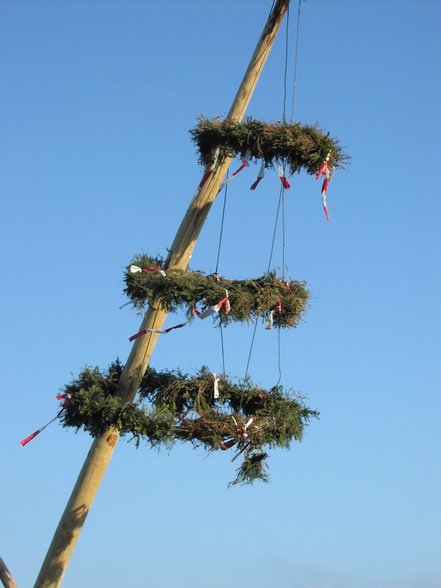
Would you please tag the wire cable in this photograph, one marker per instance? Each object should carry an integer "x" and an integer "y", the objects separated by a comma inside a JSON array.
[
  {"x": 295, "y": 64},
  {"x": 286, "y": 65},
  {"x": 282, "y": 190},
  {"x": 221, "y": 228},
  {"x": 221, "y": 232}
]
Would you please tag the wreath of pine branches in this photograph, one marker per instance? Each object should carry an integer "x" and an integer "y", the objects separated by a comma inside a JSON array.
[
  {"x": 248, "y": 298},
  {"x": 299, "y": 146},
  {"x": 175, "y": 407}
]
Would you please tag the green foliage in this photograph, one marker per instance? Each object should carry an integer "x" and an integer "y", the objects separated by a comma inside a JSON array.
[
  {"x": 299, "y": 146},
  {"x": 252, "y": 468},
  {"x": 177, "y": 407},
  {"x": 248, "y": 298}
]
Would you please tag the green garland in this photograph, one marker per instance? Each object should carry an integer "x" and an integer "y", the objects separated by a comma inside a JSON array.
[
  {"x": 299, "y": 146},
  {"x": 176, "y": 407},
  {"x": 249, "y": 299}
]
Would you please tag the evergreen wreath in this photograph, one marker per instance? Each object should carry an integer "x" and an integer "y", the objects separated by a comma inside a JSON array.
[
  {"x": 248, "y": 298},
  {"x": 175, "y": 407},
  {"x": 299, "y": 146}
]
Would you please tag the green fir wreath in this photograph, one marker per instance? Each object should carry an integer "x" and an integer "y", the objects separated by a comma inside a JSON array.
[
  {"x": 249, "y": 299},
  {"x": 299, "y": 146},
  {"x": 175, "y": 407}
]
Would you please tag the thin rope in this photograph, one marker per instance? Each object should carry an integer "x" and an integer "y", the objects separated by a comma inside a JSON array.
[
  {"x": 286, "y": 65},
  {"x": 249, "y": 357},
  {"x": 295, "y": 64},
  {"x": 281, "y": 198},
  {"x": 221, "y": 228},
  {"x": 281, "y": 202},
  {"x": 275, "y": 230},
  {"x": 279, "y": 349},
  {"x": 268, "y": 269},
  {"x": 278, "y": 357},
  {"x": 221, "y": 232},
  {"x": 272, "y": 6},
  {"x": 283, "y": 231},
  {"x": 222, "y": 347}
]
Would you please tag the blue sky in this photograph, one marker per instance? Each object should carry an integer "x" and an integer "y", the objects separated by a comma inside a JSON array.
[{"x": 97, "y": 100}]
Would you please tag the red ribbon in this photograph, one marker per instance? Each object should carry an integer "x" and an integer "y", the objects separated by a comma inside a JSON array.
[
  {"x": 205, "y": 177},
  {"x": 327, "y": 171},
  {"x": 135, "y": 269},
  {"x": 211, "y": 170},
  {"x": 26, "y": 441},
  {"x": 67, "y": 401},
  {"x": 282, "y": 176},
  {"x": 255, "y": 184},
  {"x": 164, "y": 332},
  {"x": 202, "y": 315},
  {"x": 324, "y": 168},
  {"x": 259, "y": 177}
]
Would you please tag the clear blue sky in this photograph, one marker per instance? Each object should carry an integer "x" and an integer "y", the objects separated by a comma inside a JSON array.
[{"x": 97, "y": 98}]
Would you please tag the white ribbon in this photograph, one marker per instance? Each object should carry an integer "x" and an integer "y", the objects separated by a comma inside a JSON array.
[{"x": 216, "y": 386}]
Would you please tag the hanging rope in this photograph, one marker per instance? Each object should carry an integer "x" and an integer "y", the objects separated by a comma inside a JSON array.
[
  {"x": 281, "y": 202},
  {"x": 221, "y": 232},
  {"x": 286, "y": 65},
  {"x": 295, "y": 64},
  {"x": 281, "y": 198}
]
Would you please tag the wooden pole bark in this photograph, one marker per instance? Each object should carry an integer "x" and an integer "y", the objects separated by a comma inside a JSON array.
[
  {"x": 5, "y": 576},
  {"x": 100, "y": 453}
]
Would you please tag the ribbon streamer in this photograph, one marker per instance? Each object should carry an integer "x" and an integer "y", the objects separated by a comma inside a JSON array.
[
  {"x": 211, "y": 169},
  {"x": 328, "y": 173},
  {"x": 242, "y": 433},
  {"x": 245, "y": 163},
  {"x": 324, "y": 167},
  {"x": 270, "y": 318},
  {"x": 328, "y": 177},
  {"x": 134, "y": 269},
  {"x": 282, "y": 176},
  {"x": 216, "y": 386},
  {"x": 65, "y": 404},
  {"x": 259, "y": 177},
  {"x": 202, "y": 315},
  {"x": 279, "y": 284}
]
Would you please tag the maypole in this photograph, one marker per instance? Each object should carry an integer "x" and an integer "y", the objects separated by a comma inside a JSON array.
[{"x": 100, "y": 453}]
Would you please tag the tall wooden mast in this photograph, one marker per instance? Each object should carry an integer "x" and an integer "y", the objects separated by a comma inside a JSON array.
[{"x": 100, "y": 453}]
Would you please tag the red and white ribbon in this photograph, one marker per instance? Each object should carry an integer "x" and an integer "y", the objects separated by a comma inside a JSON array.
[
  {"x": 65, "y": 404},
  {"x": 245, "y": 164},
  {"x": 328, "y": 173},
  {"x": 270, "y": 318},
  {"x": 324, "y": 167},
  {"x": 216, "y": 385},
  {"x": 211, "y": 168},
  {"x": 282, "y": 176},
  {"x": 241, "y": 431},
  {"x": 325, "y": 208},
  {"x": 279, "y": 284},
  {"x": 259, "y": 177},
  {"x": 164, "y": 332},
  {"x": 216, "y": 308},
  {"x": 328, "y": 177},
  {"x": 202, "y": 315},
  {"x": 135, "y": 269}
]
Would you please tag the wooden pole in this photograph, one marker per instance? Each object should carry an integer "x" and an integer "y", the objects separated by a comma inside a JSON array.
[
  {"x": 5, "y": 576},
  {"x": 100, "y": 453}
]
